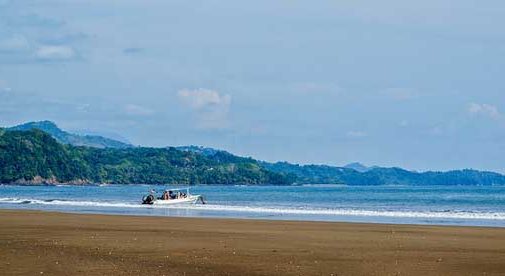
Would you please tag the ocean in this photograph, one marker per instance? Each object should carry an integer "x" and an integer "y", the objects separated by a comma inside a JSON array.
[{"x": 432, "y": 205}]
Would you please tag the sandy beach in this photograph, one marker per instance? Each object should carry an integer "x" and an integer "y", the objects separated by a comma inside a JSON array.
[{"x": 44, "y": 243}]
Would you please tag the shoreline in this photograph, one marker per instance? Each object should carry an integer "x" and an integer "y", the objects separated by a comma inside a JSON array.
[
  {"x": 260, "y": 219},
  {"x": 93, "y": 213},
  {"x": 57, "y": 243}
]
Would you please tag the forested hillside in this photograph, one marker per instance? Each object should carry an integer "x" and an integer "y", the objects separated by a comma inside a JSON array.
[
  {"x": 35, "y": 157},
  {"x": 323, "y": 174}
]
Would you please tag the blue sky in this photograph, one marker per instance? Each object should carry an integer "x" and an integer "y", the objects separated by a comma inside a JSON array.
[{"x": 391, "y": 83}]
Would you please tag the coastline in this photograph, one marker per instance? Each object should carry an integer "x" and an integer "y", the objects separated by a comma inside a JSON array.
[{"x": 32, "y": 242}]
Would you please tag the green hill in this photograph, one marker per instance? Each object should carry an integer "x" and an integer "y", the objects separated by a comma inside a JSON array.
[
  {"x": 30, "y": 155},
  {"x": 358, "y": 174},
  {"x": 322, "y": 174},
  {"x": 34, "y": 157}
]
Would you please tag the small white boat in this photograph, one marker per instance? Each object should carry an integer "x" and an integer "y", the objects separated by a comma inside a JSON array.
[{"x": 172, "y": 196}]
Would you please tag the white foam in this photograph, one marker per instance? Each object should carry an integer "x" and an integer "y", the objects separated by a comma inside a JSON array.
[
  {"x": 69, "y": 203},
  {"x": 325, "y": 185},
  {"x": 266, "y": 210},
  {"x": 354, "y": 212}
]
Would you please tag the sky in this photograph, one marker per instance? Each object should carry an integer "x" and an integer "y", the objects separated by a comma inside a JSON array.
[{"x": 415, "y": 84}]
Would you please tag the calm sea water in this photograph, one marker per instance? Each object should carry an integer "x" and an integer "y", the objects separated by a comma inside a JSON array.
[{"x": 458, "y": 205}]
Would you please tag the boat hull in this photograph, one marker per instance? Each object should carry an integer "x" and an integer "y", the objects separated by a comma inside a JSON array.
[{"x": 192, "y": 199}]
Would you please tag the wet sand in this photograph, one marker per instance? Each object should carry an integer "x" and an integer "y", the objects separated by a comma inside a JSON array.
[{"x": 44, "y": 243}]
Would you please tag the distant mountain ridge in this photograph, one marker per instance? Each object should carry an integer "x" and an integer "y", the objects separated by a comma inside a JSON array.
[
  {"x": 357, "y": 167},
  {"x": 322, "y": 174},
  {"x": 27, "y": 154},
  {"x": 64, "y": 137},
  {"x": 359, "y": 174}
]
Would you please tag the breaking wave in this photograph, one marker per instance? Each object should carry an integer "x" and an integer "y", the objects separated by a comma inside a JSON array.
[{"x": 445, "y": 214}]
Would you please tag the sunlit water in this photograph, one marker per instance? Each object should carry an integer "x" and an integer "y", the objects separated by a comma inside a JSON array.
[{"x": 457, "y": 205}]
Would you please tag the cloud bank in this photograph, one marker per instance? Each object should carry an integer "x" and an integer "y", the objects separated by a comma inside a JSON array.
[
  {"x": 55, "y": 53},
  {"x": 210, "y": 107},
  {"x": 485, "y": 110}
]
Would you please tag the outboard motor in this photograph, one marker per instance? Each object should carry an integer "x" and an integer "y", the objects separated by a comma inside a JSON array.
[
  {"x": 149, "y": 199},
  {"x": 202, "y": 199}
]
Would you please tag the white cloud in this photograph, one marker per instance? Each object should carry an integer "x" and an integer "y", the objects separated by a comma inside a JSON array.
[
  {"x": 55, "y": 53},
  {"x": 210, "y": 107},
  {"x": 203, "y": 98},
  {"x": 17, "y": 48},
  {"x": 134, "y": 109},
  {"x": 15, "y": 43},
  {"x": 356, "y": 134},
  {"x": 84, "y": 107},
  {"x": 486, "y": 110}
]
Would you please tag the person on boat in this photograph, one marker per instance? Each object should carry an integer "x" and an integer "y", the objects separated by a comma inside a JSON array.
[
  {"x": 165, "y": 195},
  {"x": 172, "y": 195}
]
